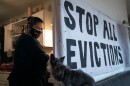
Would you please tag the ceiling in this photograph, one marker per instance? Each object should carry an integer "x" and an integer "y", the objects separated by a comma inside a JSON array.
[{"x": 9, "y": 8}]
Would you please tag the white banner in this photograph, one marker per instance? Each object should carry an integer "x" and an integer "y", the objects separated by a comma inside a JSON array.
[{"x": 89, "y": 40}]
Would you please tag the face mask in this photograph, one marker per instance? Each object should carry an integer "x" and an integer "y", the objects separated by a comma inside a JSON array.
[{"x": 35, "y": 32}]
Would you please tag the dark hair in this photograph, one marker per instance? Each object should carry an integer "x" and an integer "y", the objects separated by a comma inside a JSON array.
[{"x": 33, "y": 20}]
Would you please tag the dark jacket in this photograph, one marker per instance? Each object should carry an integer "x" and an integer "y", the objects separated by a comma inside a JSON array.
[{"x": 30, "y": 63}]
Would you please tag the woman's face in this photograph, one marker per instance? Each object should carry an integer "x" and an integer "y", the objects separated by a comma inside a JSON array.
[{"x": 36, "y": 30}]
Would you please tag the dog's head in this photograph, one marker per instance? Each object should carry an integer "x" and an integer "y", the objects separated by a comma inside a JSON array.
[
  {"x": 57, "y": 67},
  {"x": 56, "y": 61}
]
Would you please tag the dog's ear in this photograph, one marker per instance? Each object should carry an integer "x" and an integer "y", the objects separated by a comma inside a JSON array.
[
  {"x": 62, "y": 59},
  {"x": 52, "y": 57}
]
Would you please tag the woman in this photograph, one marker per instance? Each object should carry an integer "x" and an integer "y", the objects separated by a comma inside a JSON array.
[{"x": 30, "y": 60}]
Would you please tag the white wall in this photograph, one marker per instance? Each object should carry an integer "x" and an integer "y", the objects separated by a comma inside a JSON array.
[{"x": 116, "y": 9}]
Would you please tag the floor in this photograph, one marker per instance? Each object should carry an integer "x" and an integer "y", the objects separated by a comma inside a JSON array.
[{"x": 3, "y": 78}]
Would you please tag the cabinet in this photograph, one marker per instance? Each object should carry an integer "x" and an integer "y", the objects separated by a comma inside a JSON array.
[{"x": 8, "y": 37}]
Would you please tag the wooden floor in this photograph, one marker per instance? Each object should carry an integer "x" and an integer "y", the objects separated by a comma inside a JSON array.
[
  {"x": 3, "y": 83},
  {"x": 3, "y": 78}
]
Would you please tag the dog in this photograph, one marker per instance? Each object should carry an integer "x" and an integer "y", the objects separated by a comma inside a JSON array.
[
  {"x": 51, "y": 78},
  {"x": 67, "y": 76}
]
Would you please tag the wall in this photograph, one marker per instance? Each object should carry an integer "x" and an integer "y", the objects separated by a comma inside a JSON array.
[{"x": 115, "y": 9}]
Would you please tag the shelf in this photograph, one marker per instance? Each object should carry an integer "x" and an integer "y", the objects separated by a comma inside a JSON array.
[
  {"x": 20, "y": 22},
  {"x": 16, "y": 35}
]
